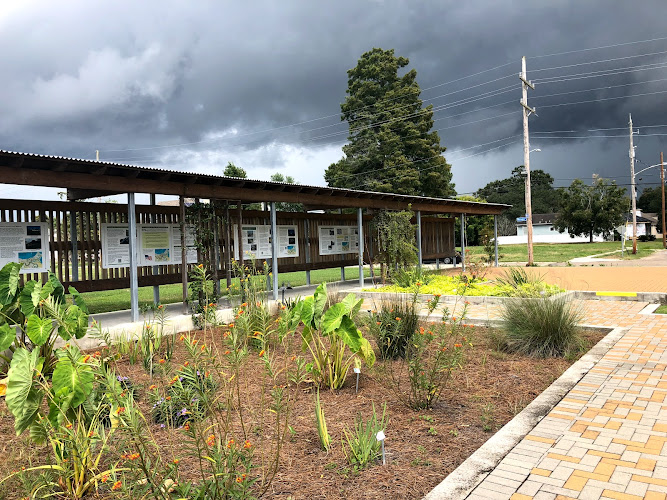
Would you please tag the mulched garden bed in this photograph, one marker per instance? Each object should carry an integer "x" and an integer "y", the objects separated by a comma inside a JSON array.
[{"x": 422, "y": 447}]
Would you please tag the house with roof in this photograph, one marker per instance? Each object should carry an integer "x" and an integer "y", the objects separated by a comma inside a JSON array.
[{"x": 543, "y": 232}]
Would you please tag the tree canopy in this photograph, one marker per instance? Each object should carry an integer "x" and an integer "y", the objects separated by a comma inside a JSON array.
[
  {"x": 391, "y": 147},
  {"x": 232, "y": 170},
  {"x": 651, "y": 201},
  {"x": 595, "y": 209},
  {"x": 512, "y": 191},
  {"x": 284, "y": 206}
]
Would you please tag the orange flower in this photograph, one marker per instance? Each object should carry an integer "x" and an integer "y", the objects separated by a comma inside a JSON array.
[
  {"x": 160, "y": 306},
  {"x": 181, "y": 338},
  {"x": 453, "y": 318},
  {"x": 398, "y": 319},
  {"x": 85, "y": 358},
  {"x": 261, "y": 353},
  {"x": 116, "y": 485},
  {"x": 231, "y": 325},
  {"x": 97, "y": 354},
  {"x": 69, "y": 425},
  {"x": 437, "y": 295},
  {"x": 121, "y": 409},
  {"x": 176, "y": 460},
  {"x": 105, "y": 478},
  {"x": 168, "y": 398},
  {"x": 458, "y": 345},
  {"x": 161, "y": 361},
  {"x": 203, "y": 347},
  {"x": 230, "y": 443},
  {"x": 241, "y": 478},
  {"x": 421, "y": 330},
  {"x": 247, "y": 444},
  {"x": 227, "y": 352},
  {"x": 194, "y": 342},
  {"x": 153, "y": 386},
  {"x": 186, "y": 426},
  {"x": 186, "y": 363},
  {"x": 210, "y": 440},
  {"x": 378, "y": 322}
]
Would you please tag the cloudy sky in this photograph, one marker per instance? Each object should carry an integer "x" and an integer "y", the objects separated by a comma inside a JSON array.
[{"x": 193, "y": 85}]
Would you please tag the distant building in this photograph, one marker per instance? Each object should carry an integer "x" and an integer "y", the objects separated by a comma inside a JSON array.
[
  {"x": 646, "y": 226},
  {"x": 543, "y": 232}
]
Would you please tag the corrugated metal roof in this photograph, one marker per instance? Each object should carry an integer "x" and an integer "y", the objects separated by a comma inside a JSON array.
[{"x": 112, "y": 169}]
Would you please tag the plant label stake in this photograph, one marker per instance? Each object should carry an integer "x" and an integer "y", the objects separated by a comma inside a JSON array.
[
  {"x": 357, "y": 371},
  {"x": 380, "y": 437}
]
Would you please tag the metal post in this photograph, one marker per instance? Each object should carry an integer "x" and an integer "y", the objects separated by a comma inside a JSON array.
[
  {"x": 274, "y": 250},
  {"x": 75, "y": 245},
  {"x": 134, "y": 280},
  {"x": 306, "y": 231},
  {"x": 419, "y": 238},
  {"x": 436, "y": 229},
  {"x": 463, "y": 242},
  {"x": 360, "y": 222},
  {"x": 495, "y": 239},
  {"x": 228, "y": 244},
  {"x": 342, "y": 270},
  {"x": 184, "y": 251},
  {"x": 156, "y": 269},
  {"x": 216, "y": 247}
]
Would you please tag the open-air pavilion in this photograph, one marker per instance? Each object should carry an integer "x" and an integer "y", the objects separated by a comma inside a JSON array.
[{"x": 75, "y": 227}]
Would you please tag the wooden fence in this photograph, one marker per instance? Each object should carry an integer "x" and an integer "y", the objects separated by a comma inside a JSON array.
[{"x": 86, "y": 218}]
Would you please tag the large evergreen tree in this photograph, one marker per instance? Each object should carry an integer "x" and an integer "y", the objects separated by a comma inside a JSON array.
[
  {"x": 391, "y": 146},
  {"x": 232, "y": 170}
]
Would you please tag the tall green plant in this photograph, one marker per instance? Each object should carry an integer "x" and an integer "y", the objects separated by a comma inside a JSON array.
[
  {"x": 39, "y": 313},
  {"x": 321, "y": 423},
  {"x": 396, "y": 240},
  {"x": 328, "y": 333}
]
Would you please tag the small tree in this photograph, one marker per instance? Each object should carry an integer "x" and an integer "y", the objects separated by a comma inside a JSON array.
[
  {"x": 232, "y": 170},
  {"x": 594, "y": 209},
  {"x": 396, "y": 240}
]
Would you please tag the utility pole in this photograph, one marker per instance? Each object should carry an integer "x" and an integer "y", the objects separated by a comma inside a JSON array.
[
  {"x": 634, "y": 192},
  {"x": 526, "y": 154},
  {"x": 97, "y": 154},
  {"x": 662, "y": 179}
]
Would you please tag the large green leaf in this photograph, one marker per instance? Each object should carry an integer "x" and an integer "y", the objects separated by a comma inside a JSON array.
[
  {"x": 23, "y": 394},
  {"x": 366, "y": 353},
  {"x": 72, "y": 375},
  {"x": 75, "y": 323},
  {"x": 78, "y": 299},
  {"x": 354, "y": 305},
  {"x": 319, "y": 302},
  {"x": 9, "y": 282},
  {"x": 306, "y": 311},
  {"x": 58, "y": 289},
  {"x": 7, "y": 336},
  {"x": 349, "y": 334},
  {"x": 333, "y": 317},
  {"x": 38, "y": 329}
]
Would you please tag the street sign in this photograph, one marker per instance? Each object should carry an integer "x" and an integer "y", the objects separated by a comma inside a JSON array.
[{"x": 521, "y": 219}]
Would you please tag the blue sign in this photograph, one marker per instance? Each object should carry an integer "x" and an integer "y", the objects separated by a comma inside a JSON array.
[{"x": 521, "y": 219}]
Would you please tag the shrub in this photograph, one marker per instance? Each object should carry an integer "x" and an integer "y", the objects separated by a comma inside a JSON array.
[
  {"x": 541, "y": 327},
  {"x": 431, "y": 358},
  {"x": 394, "y": 325},
  {"x": 415, "y": 276},
  {"x": 516, "y": 277}
]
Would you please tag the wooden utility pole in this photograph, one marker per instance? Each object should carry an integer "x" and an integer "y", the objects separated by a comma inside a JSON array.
[
  {"x": 634, "y": 192},
  {"x": 662, "y": 180},
  {"x": 526, "y": 154}
]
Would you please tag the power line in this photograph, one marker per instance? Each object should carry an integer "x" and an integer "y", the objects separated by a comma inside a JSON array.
[
  {"x": 600, "y": 73},
  {"x": 607, "y": 87},
  {"x": 600, "y": 48},
  {"x": 600, "y": 61}
]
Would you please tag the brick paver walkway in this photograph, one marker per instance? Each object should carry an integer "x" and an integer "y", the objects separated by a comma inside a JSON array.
[{"x": 606, "y": 438}]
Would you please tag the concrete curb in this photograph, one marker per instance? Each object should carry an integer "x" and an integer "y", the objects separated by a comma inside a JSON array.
[{"x": 465, "y": 478}]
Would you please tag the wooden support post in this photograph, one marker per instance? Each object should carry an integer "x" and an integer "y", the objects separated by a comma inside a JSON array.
[
  {"x": 132, "y": 240},
  {"x": 75, "y": 245},
  {"x": 306, "y": 230},
  {"x": 463, "y": 242},
  {"x": 419, "y": 238},
  {"x": 216, "y": 248},
  {"x": 229, "y": 249},
  {"x": 155, "y": 269},
  {"x": 360, "y": 223},
  {"x": 495, "y": 239},
  {"x": 184, "y": 253},
  {"x": 274, "y": 250}
]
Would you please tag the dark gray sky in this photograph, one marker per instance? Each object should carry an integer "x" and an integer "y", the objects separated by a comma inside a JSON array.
[{"x": 193, "y": 85}]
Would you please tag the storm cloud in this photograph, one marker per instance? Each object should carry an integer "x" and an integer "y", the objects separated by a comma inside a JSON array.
[{"x": 193, "y": 85}]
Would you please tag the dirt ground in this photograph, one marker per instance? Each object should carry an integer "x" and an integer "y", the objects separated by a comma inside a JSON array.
[{"x": 422, "y": 447}]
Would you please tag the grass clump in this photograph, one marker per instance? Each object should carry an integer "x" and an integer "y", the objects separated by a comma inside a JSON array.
[
  {"x": 541, "y": 327},
  {"x": 393, "y": 326}
]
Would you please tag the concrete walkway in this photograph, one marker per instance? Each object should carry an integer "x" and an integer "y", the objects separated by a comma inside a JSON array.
[{"x": 606, "y": 437}]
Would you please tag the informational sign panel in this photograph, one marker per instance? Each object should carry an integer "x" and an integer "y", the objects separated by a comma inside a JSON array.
[
  {"x": 158, "y": 245},
  {"x": 155, "y": 245},
  {"x": 191, "y": 253},
  {"x": 338, "y": 240},
  {"x": 115, "y": 245},
  {"x": 256, "y": 241},
  {"x": 26, "y": 243}
]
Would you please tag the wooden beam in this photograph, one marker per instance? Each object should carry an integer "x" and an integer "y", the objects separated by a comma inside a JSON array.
[
  {"x": 84, "y": 194},
  {"x": 38, "y": 177}
]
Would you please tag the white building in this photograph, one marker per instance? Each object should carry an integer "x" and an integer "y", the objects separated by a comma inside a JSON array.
[{"x": 543, "y": 232}]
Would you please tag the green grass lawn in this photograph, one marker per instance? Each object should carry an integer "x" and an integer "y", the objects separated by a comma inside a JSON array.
[
  {"x": 117, "y": 300},
  {"x": 661, "y": 310},
  {"x": 562, "y": 252}
]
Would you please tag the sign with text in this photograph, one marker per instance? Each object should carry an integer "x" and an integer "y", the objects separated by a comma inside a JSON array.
[
  {"x": 256, "y": 241},
  {"x": 338, "y": 240},
  {"x": 26, "y": 243}
]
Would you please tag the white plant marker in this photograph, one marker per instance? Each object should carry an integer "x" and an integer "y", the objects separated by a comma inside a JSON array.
[
  {"x": 357, "y": 371},
  {"x": 380, "y": 437}
]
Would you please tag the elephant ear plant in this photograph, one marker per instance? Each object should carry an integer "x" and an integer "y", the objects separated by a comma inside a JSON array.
[
  {"x": 39, "y": 313},
  {"x": 327, "y": 334}
]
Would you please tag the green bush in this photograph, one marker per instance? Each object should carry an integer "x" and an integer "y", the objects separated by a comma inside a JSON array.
[
  {"x": 541, "y": 327},
  {"x": 394, "y": 325},
  {"x": 415, "y": 276},
  {"x": 360, "y": 444}
]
